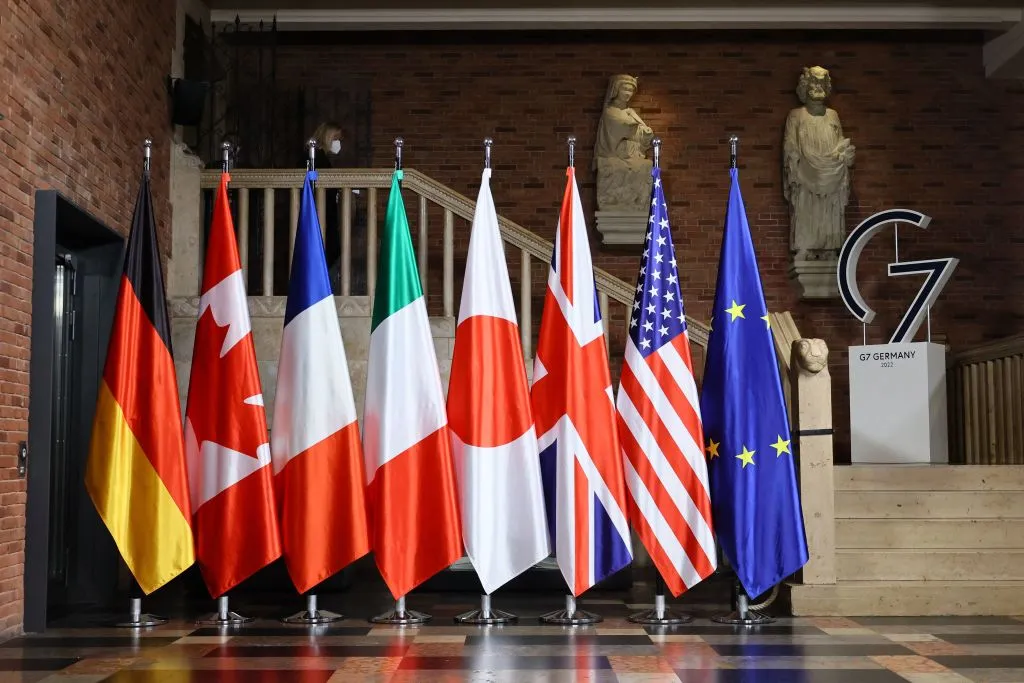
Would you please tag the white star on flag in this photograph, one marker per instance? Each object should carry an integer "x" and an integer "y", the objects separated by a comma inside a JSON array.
[{"x": 675, "y": 527}]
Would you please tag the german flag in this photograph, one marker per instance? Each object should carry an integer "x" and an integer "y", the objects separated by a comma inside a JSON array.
[{"x": 136, "y": 473}]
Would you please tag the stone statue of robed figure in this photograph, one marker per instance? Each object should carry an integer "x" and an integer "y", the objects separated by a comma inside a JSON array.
[
  {"x": 816, "y": 182},
  {"x": 623, "y": 169}
]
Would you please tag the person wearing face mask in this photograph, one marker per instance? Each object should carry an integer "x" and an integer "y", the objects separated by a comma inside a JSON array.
[{"x": 328, "y": 146}]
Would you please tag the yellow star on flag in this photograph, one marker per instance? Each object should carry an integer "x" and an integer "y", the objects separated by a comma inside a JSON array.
[
  {"x": 767, "y": 321},
  {"x": 747, "y": 457},
  {"x": 781, "y": 447},
  {"x": 712, "y": 448},
  {"x": 736, "y": 310}
]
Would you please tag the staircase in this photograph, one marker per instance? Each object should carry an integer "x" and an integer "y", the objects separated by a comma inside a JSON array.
[
  {"x": 265, "y": 206},
  {"x": 927, "y": 540},
  {"x": 924, "y": 540}
]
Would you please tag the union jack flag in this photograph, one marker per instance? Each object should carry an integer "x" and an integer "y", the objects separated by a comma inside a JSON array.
[
  {"x": 659, "y": 418},
  {"x": 584, "y": 490}
]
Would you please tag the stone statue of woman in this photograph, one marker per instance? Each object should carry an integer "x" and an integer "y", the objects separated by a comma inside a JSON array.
[
  {"x": 623, "y": 170},
  {"x": 816, "y": 172}
]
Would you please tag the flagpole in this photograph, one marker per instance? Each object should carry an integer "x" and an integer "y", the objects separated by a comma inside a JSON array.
[
  {"x": 311, "y": 616},
  {"x": 571, "y": 615},
  {"x": 136, "y": 617},
  {"x": 400, "y": 616},
  {"x": 225, "y": 159},
  {"x": 486, "y": 615},
  {"x": 224, "y": 616},
  {"x": 741, "y": 615},
  {"x": 660, "y": 615}
]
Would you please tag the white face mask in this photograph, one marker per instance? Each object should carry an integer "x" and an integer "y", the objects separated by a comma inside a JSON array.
[{"x": 335, "y": 146}]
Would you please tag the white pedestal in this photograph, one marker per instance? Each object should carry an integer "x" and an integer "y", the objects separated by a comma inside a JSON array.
[{"x": 898, "y": 404}]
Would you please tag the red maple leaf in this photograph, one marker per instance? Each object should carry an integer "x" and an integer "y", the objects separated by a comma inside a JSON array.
[{"x": 219, "y": 387}]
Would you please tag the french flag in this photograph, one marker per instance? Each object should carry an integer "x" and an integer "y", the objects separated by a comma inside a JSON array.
[{"x": 319, "y": 477}]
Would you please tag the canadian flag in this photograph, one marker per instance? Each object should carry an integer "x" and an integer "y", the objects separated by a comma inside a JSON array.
[{"x": 226, "y": 441}]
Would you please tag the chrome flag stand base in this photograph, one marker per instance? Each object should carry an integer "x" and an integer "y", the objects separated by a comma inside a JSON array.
[
  {"x": 485, "y": 616},
  {"x": 136, "y": 619},
  {"x": 400, "y": 616},
  {"x": 570, "y": 616},
  {"x": 223, "y": 616},
  {"x": 311, "y": 616},
  {"x": 743, "y": 615},
  {"x": 660, "y": 615}
]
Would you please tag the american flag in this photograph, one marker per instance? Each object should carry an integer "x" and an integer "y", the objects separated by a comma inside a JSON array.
[{"x": 659, "y": 418}]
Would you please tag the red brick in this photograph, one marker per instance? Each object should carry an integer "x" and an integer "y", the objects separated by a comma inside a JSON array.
[
  {"x": 54, "y": 60},
  {"x": 932, "y": 133}
]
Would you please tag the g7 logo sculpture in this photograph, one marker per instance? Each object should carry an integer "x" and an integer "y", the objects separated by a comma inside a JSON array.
[{"x": 937, "y": 272}]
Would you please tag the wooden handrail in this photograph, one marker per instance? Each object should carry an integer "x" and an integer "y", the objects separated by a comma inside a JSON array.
[
  {"x": 994, "y": 350},
  {"x": 784, "y": 333},
  {"x": 986, "y": 407},
  {"x": 617, "y": 289}
]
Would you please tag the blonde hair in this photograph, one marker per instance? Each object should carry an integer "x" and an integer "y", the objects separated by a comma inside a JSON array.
[{"x": 325, "y": 132}]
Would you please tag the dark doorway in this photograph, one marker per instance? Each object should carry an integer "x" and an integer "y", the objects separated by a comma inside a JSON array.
[{"x": 70, "y": 559}]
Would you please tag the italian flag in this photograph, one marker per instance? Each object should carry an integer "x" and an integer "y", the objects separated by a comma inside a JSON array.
[{"x": 414, "y": 515}]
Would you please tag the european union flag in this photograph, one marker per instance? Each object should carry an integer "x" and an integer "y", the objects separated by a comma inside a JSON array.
[{"x": 754, "y": 497}]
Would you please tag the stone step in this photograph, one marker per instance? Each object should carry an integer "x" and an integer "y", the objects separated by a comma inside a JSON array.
[
  {"x": 883, "y": 534},
  {"x": 929, "y": 565},
  {"x": 929, "y": 478},
  {"x": 908, "y": 598},
  {"x": 929, "y": 504}
]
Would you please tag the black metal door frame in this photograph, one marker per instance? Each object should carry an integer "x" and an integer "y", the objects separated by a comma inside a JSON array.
[{"x": 59, "y": 227}]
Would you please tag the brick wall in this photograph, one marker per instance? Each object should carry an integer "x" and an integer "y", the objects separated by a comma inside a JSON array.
[
  {"x": 81, "y": 85},
  {"x": 931, "y": 132}
]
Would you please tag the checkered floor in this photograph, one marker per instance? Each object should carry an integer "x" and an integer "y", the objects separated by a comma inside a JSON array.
[{"x": 923, "y": 650}]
